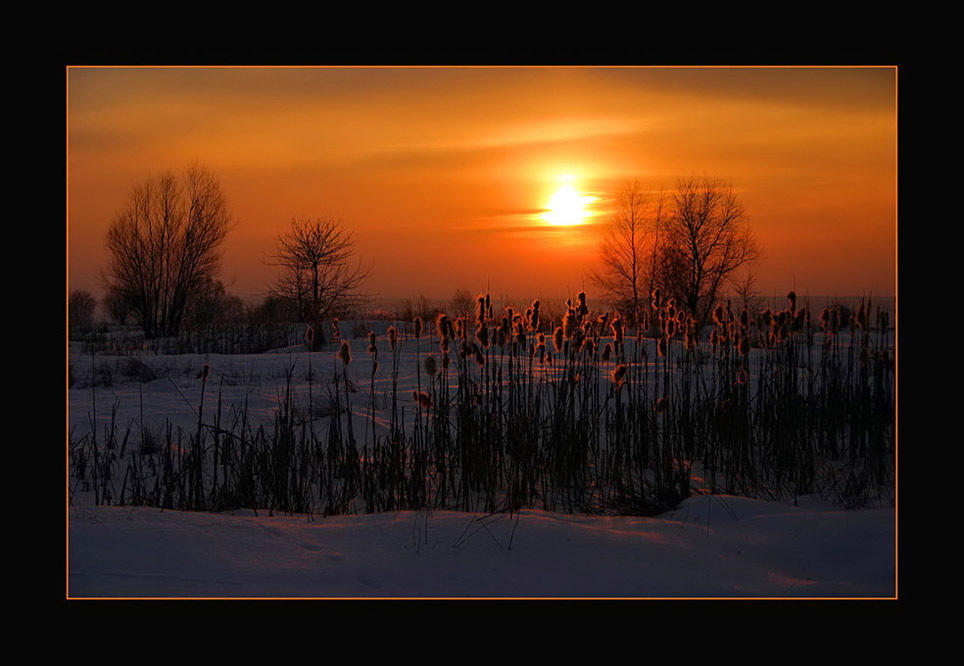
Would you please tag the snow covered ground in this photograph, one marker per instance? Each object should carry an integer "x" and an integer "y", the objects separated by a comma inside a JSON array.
[
  {"x": 710, "y": 546},
  {"x": 719, "y": 547}
]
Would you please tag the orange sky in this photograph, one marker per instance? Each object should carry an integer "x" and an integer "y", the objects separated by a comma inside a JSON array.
[{"x": 443, "y": 173}]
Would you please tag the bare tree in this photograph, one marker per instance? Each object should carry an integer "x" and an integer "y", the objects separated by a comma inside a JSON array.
[
  {"x": 627, "y": 250},
  {"x": 318, "y": 273},
  {"x": 80, "y": 311},
  {"x": 165, "y": 245},
  {"x": 706, "y": 241}
]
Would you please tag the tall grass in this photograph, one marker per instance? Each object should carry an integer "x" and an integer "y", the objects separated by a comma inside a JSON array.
[{"x": 517, "y": 410}]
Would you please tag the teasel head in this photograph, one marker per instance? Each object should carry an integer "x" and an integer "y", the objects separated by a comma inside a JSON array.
[
  {"x": 430, "y": 367},
  {"x": 392, "y": 337},
  {"x": 418, "y": 328},
  {"x": 344, "y": 353},
  {"x": 557, "y": 339}
]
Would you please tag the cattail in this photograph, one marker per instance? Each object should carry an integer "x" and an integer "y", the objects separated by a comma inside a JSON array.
[
  {"x": 430, "y": 367},
  {"x": 482, "y": 335},
  {"x": 583, "y": 308},
  {"x": 423, "y": 399},
  {"x": 792, "y": 298},
  {"x": 442, "y": 325},
  {"x": 446, "y": 361},
  {"x": 344, "y": 353},
  {"x": 392, "y": 337},
  {"x": 540, "y": 351},
  {"x": 589, "y": 346},
  {"x": 718, "y": 313},
  {"x": 744, "y": 347},
  {"x": 557, "y": 338},
  {"x": 480, "y": 309},
  {"x": 205, "y": 371},
  {"x": 619, "y": 373},
  {"x": 372, "y": 348},
  {"x": 607, "y": 352},
  {"x": 418, "y": 327},
  {"x": 479, "y": 358},
  {"x": 336, "y": 332},
  {"x": 617, "y": 326},
  {"x": 569, "y": 324},
  {"x": 309, "y": 336},
  {"x": 715, "y": 339}
]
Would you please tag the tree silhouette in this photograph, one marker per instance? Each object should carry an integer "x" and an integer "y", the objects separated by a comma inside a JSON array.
[
  {"x": 706, "y": 240},
  {"x": 627, "y": 250},
  {"x": 318, "y": 276},
  {"x": 165, "y": 245},
  {"x": 690, "y": 244}
]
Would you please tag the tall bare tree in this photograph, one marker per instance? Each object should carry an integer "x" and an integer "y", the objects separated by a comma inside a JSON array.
[
  {"x": 319, "y": 275},
  {"x": 706, "y": 241},
  {"x": 164, "y": 245},
  {"x": 626, "y": 250}
]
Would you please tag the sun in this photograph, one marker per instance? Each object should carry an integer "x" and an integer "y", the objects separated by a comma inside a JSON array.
[{"x": 567, "y": 207}]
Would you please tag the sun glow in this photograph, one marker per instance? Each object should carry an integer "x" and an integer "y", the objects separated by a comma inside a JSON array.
[{"x": 567, "y": 207}]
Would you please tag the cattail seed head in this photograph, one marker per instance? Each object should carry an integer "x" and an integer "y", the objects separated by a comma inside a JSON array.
[
  {"x": 309, "y": 335},
  {"x": 619, "y": 373},
  {"x": 430, "y": 367},
  {"x": 344, "y": 353},
  {"x": 392, "y": 337},
  {"x": 423, "y": 399},
  {"x": 607, "y": 352},
  {"x": 557, "y": 338},
  {"x": 205, "y": 371},
  {"x": 372, "y": 348}
]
